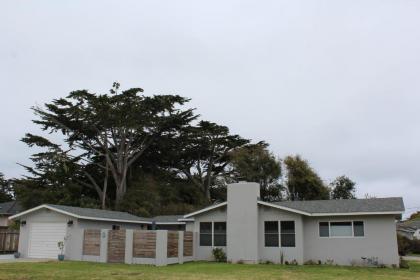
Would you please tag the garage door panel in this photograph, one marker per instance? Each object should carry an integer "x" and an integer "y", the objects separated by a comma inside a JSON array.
[{"x": 43, "y": 239}]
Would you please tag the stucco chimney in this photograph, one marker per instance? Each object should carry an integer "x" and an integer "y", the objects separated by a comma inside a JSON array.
[{"x": 242, "y": 222}]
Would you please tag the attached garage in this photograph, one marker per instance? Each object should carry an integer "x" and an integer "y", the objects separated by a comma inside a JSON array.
[
  {"x": 42, "y": 227},
  {"x": 44, "y": 238}
]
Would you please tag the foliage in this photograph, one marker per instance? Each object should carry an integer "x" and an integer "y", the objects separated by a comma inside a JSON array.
[
  {"x": 205, "y": 154},
  {"x": 255, "y": 163},
  {"x": 302, "y": 181},
  {"x": 6, "y": 191},
  {"x": 343, "y": 188},
  {"x": 219, "y": 255},
  {"x": 415, "y": 216},
  {"x": 407, "y": 246},
  {"x": 404, "y": 263}
]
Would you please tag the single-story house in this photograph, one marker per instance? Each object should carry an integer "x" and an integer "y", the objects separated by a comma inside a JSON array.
[
  {"x": 344, "y": 232},
  {"x": 8, "y": 209},
  {"x": 42, "y": 227},
  {"x": 409, "y": 229}
]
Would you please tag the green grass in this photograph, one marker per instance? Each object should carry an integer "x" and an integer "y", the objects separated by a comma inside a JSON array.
[{"x": 199, "y": 270}]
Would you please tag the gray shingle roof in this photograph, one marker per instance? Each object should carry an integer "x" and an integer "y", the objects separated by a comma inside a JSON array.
[
  {"x": 98, "y": 213},
  {"x": 10, "y": 208},
  {"x": 390, "y": 204},
  {"x": 415, "y": 224},
  {"x": 167, "y": 218}
]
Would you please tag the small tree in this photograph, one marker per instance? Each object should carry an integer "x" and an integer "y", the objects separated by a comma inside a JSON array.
[{"x": 343, "y": 188}]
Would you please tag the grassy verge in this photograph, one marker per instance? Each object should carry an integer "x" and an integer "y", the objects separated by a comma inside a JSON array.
[{"x": 199, "y": 270}]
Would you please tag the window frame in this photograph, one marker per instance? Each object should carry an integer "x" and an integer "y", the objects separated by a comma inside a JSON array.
[
  {"x": 342, "y": 221},
  {"x": 219, "y": 234},
  {"x": 211, "y": 234},
  {"x": 294, "y": 233},
  {"x": 278, "y": 234}
]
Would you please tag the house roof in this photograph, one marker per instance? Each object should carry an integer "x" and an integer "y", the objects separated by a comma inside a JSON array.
[
  {"x": 372, "y": 206},
  {"x": 101, "y": 215},
  {"x": 10, "y": 208},
  {"x": 414, "y": 224},
  {"x": 346, "y": 206}
]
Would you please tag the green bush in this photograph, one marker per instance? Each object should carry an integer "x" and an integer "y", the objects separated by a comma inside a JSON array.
[
  {"x": 219, "y": 255},
  {"x": 404, "y": 263}
]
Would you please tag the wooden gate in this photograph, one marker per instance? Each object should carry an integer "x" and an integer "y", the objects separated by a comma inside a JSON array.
[
  {"x": 9, "y": 241},
  {"x": 116, "y": 246}
]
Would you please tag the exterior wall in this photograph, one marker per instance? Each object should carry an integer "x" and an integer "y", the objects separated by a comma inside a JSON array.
[
  {"x": 43, "y": 215},
  {"x": 273, "y": 253},
  {"x": 92, "y": 224},
  {"x": 242, "y": 229},
  {"x": 416, "y": 235},
  {"x": 4, "y": 221},
  {"x": 216, "y": 215},
  {"x": 380, "y": 241}
]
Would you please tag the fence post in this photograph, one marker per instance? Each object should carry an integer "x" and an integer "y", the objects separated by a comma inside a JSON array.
[
  {"x": 161, "y": 247},
  {"x": 180, "y": 247},
  {"x": 128, "y": 246},
  {"x": 103, "y": 255}
]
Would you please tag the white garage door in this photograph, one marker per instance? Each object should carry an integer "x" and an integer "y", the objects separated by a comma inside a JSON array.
[{"x": 43, "y": 239}]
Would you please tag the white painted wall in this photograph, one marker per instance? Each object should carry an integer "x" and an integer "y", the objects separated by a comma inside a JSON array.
[{"x": 380, "y": 241}]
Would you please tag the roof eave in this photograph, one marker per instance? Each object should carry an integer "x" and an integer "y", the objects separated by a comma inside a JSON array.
[{"x": 205, "y": 210}]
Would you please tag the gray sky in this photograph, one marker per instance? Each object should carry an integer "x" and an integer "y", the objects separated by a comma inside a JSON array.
[{"x": 335, "y": 81}]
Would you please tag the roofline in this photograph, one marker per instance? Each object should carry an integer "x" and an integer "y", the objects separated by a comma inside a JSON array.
[
  {"x": 170, "y": 223},
  {"x": 330, "y": 214},
  {"x": 284, "y": 208},
  {"x": 205, "y": 210},
  {"x": 185, "y": 220},
  {"x": 74, "y": 215}
]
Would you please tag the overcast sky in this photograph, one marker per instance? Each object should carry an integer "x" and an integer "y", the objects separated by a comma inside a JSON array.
[{"x": 337, "y": 82}]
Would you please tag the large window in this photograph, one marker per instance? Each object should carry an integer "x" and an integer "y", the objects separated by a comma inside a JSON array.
[
  {"x": 287, "y": 233},
  {"x": 271, "y": 233},
  {"x": 205, "y": 234},
  {"x": 220, "y": 234},
  {"x": 342, "y": 229}
]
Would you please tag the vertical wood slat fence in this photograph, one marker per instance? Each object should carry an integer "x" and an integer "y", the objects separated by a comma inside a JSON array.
[
  {"x": 9, "y": 241},
  {"x": 155, "y": 247}
]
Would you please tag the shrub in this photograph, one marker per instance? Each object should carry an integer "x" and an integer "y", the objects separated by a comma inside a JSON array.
[
  {"x": 310, "y": 262},
  {"x": 403, "y": 245},
  {"x": 404, "y": 264},
  {"x": 219, "y": 255}
]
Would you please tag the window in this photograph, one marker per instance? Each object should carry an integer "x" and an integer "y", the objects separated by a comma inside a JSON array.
[
  {"x": 205, "y": 234},
  {"x": 271, "y": 233},
  {"x": 115, "y": 227},
  {"x": 342, "y": 229},
  {"x": 287, "y": 233},
  {"x": 324, "y": 229},
  {"x": 220, "y": 234},
  {"x": 358, "y": 228}
]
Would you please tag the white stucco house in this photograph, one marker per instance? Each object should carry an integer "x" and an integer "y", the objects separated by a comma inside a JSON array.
[
  {"x": 410, "y": 229},
  {"x": 339, "y": 231},
  {"x": 344, "y": 232}
]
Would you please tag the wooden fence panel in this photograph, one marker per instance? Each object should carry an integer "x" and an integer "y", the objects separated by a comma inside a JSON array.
[
  {"x": 188, "y": 244},
  {"x": 116, "y": 246},
  {"x": 144, "y": 244},
  {"x": 92, "y": 242},
  {"x": 172, "y": 244},
  {"x": 9, "y": 241}
]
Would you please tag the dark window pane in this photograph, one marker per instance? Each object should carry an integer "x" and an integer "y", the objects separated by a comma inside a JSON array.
[
  {"x": 271, "y": 227},
  {"x": 287, "y": 226},
  {"x": 287, "y": 240},
  {"x": 271, "y": 240},
  {"x": 205, "y": 240},
  {"x": 220, "y": 227},
  {"x": 359, "y": 229},
  {"x": 323, "y": 229},
  {"x": 219, "y": 239},
  {"x": 205, "y": 227}
]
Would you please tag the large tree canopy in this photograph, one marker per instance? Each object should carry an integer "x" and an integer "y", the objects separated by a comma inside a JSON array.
[
  {"x": 202, "y": 154},
  {"x": 302, "y": 181},
  {"x": 112, "y": 131},
  {"x": 255, "y": 163},
  {"x": 5, "y": 189}
]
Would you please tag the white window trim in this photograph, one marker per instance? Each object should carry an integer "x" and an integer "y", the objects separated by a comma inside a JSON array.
[{"x": 342, "y": 221}]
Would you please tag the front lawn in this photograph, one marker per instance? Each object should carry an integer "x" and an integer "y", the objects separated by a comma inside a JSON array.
[{"x": 199, "y": 270}]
